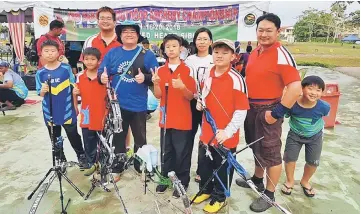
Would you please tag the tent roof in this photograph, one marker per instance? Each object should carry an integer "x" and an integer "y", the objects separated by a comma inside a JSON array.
[
  {"x": 351, "y": 38},
  {"x": 76, "y": 5}
]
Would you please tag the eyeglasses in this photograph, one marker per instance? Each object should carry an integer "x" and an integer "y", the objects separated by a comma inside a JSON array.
[
  {"x": 129, "y": 32},
  {"x": 106, "y": 18}
]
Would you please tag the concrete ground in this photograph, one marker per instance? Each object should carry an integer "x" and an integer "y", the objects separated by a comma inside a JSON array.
[
  {"x": 25, "y": 153},
  {"x": 350, "y": 71}
]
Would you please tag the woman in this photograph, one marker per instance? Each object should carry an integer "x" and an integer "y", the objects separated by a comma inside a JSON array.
[{"x": 200, "y": 63}]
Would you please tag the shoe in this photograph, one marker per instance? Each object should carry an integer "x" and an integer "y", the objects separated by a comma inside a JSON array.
[
  {"x": 130, "y": 152},
  {"x": 7, "y": 108},
  {"x": 91, "y": 170},
  {"x": 214, "y": 206},
  {"x": 176, "y": 194},
  {"x": 161, "y": 188},
  {"x": 83, "y": 163},
  {"x": 242, "y": 183},
  {"x": 260, "y": 205},
  {"x": 201, "y": 198}
]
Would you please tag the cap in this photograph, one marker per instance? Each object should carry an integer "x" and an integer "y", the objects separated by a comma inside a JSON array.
[
  {"x": 227, "y": 42},
  {"x": 4, "y": 63}
]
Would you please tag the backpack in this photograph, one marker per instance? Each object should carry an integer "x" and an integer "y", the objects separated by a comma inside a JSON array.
[{"x": 32, "y": 55}]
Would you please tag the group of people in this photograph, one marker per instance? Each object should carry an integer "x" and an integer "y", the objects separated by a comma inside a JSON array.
[{"x": 271, "y": 90}]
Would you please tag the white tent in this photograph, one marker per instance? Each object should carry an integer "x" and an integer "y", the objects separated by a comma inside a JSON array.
[{"x": 74, "y": 5}]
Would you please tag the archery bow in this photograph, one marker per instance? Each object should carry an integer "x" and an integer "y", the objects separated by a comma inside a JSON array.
[{"x": 212, "y": 123}]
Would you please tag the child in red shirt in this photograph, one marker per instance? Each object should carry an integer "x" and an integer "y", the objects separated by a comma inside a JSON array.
[
  {"x": 224, "y": 94},
  {"x": 93, "y": 106},
  {"x": 176, "y": 118}
]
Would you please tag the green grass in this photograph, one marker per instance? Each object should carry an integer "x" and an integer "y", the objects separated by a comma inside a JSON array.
[{"x": 323, "y": 55}]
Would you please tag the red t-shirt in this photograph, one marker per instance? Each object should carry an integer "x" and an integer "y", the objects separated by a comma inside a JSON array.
[
  {"x": 96, "y": 41},
  {"x": 228, "y": 93},
  {"x": 179, "y": 115},
  {"x": 268, "y": 73},
  {"x": 93, "y": 105},
  {"x": 44, "y": 38}
]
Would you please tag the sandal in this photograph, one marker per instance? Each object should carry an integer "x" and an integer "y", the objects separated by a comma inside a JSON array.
[
  {"x": 288, "y": 188},
  {"x": 309, "y": 190},
  {"x": 197, "y": 179}
]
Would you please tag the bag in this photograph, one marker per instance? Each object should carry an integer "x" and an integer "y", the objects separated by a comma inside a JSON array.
[
  {"x": 30, "y": 82},
  {"x": 32, "y": 55},
  {"x": 152, "y": 101}
]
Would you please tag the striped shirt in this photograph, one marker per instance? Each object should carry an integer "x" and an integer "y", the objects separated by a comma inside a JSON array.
[{"x": 307, "y": 122}]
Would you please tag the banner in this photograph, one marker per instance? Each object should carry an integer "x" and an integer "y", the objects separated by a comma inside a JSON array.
[{"x": 155, "y": 22}]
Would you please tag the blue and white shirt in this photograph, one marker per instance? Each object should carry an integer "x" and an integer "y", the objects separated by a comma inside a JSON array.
[{"x": 61, "y": 79}]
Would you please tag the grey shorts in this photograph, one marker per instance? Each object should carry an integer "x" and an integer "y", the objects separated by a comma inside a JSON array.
[{"x": 313, "y": 148}]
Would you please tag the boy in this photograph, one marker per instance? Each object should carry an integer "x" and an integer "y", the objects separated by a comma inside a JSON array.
[
  {"x": 306, "y": 127},
  {"x": 224, "y": 94},
  {"x": 93, "y": 106},
  {"x": 64, "y": 112},
  {"x": 177, "y": 120}
]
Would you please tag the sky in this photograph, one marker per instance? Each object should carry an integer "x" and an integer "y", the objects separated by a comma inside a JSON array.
[{"x": 289, "y": 11}]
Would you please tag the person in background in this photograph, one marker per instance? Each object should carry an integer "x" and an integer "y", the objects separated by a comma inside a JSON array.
[
  {"x": 145, "y": 44},
  {"x": 243, "y": 61},
  {"x": 200, "y": 63},
  {"x": 13, "y": 90},
  {"x": 74, "y": 53},
  {"x": 56, "y": 28}
]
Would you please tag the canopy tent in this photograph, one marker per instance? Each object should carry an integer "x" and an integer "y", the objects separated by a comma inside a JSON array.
[
  {"x": 245, "y": 7},
  {"x": 351, "y": 38}
]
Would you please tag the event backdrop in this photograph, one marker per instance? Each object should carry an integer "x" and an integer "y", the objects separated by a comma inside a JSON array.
[{"x": 156, "y": 22}]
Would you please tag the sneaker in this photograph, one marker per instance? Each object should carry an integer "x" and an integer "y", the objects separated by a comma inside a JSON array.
[
  {"x": 130, "y": 152},
  {"x": 83, "y": 163},
  {"x": 161, "y": 188},
  {"x": 242, "y": 183},
  {"x": 201, "y": 198},
  {"x": 260, "y": 205},
  {"x": 214, "y": 206},
  {"x": 91, "y": 170},
  {"x": 7, "y": 108},
  {"x": 176, "y": 194}
]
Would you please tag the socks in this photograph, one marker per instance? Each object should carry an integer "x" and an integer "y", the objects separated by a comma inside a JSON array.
[
  {"x": 270, "y": 194},
  {"x": 256, "y": 180}
]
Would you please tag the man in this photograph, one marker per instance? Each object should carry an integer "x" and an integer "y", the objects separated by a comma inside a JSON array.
[
  {"x": 13, "y": 90},
  {"x": 106, "y": 39},
  {"x": 145, "y": 44},
  {"x": 270, "y": 69},
  {"x": 129, "y": 66},
  {"x": 56, "y": 28}
]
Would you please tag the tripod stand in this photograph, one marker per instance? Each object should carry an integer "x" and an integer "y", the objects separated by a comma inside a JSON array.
[
  {"x": 58, "y": 166},
  {"x": 105, "y": 155}
]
